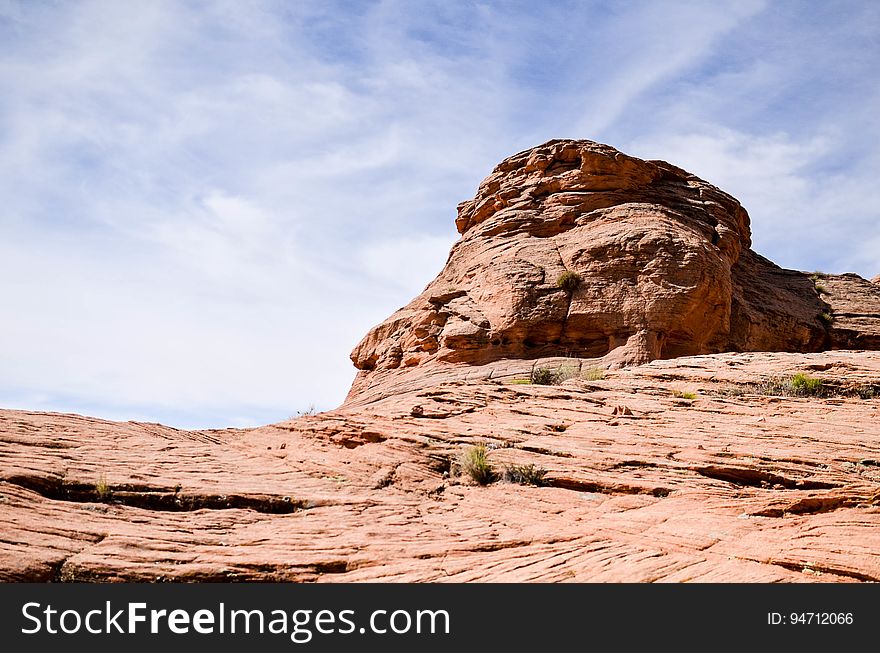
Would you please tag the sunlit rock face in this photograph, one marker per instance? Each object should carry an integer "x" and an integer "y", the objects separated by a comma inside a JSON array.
[{"x": 575, "y": 249}]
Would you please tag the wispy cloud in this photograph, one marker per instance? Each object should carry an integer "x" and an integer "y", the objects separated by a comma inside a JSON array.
[{"x": 207, "y": 204}]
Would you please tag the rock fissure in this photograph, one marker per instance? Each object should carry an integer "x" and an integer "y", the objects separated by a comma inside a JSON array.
[
  {"x": 752, "y": 477},
  {"x": 155, "y": 498}
]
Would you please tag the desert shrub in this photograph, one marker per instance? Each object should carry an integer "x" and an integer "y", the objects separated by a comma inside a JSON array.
[
  {"x": 681, "y": 394},
  {"x": 593, "y": 374},
  {"x": 475, "y": 463},
  {"x": 826, "y": 317},
  {"x": 816, "y": 278},
  {"x": 551, "y": 376},
  {"x": 521, "y": 381},
  {"x": 525, "y": 474},
  {"x": 568, "y": 281},
  {"x": 803, "y": 384},
  {"x": 545, "y": 376},
  {"x": 102, "y": 489},
  {"x": 797, "y": 385},
  {"x": 865, "y": 392}
]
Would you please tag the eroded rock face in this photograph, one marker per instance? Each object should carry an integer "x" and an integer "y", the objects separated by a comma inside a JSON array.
[
  {"x": 657, "y": 262},
  {"x": 651, "y": 245},
  {"x": 853, "y": 309}
]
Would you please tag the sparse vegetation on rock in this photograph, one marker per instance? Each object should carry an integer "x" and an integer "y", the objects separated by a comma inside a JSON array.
[
  {"x": 524, "y": 474},
  {"x": 555, "y": 376},
  {"x": 545, "y": 376},
  {"x": 308, "y": 412},
  {"x": 796, "y": 385},
  {"x": 593, "y": 374},
  {"x": 474, "y": 464},
  {"x": 102, "y": 489},
  {"x": 569, "y": 281},
  {"x": 827, "y": 317},
  {"x": 804, "y": 384},
  {"x": 816, "y": 278}
]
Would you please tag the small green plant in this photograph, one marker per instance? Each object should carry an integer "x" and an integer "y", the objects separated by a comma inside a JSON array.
[
  {"x": 822, "y": 290},
  {"x": 475, "y": 463},
  {"x": 680, "y": 394},
  {"x": 102, "y": 489},
  {"x": 525, "y": 474},
  {"x": 803, "y": 384},
  {"x": 593, "y": 374},
  {"x": 545, "y": 376},
  {"x": 569, "y": 281},
  {"x": 521, "y": 381},
  {"x": 826, "y": 316}
]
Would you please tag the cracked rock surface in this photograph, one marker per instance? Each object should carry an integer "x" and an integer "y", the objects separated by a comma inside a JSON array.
[{"x": 677, "y": 470}]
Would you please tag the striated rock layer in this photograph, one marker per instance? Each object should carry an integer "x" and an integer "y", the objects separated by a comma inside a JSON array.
[
  {"x": 643, "y": 483},
  {"x": 658, "y": 265}
]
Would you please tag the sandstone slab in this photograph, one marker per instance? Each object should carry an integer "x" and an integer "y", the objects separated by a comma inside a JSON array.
[{"x": 643, "y": 484}]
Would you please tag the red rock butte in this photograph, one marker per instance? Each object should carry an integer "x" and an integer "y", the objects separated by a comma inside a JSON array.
[
  {"x": 656, "y": 401},
  {"x": 573, "y": 249}
]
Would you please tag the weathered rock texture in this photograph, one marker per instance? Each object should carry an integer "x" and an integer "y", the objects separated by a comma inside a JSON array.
[
  {"x": 663, "y": 270},
  {"x": 642, "y": 485}
]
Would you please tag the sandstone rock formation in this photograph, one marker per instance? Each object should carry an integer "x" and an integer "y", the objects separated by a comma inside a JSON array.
[
  {"x": 574, "y": 249},
  {"x": 643, "y": 484}
]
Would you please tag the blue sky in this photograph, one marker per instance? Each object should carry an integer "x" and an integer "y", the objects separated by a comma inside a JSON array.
[{"x": 205, "y": 205}]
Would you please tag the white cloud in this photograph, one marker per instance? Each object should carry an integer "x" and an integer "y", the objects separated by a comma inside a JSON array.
[{"x": 662, "y": 40}]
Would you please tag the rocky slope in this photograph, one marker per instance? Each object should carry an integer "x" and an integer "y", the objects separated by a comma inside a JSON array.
[
  {"x": 577, "y": 331},
  {"x": 643, "y": 483}
]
